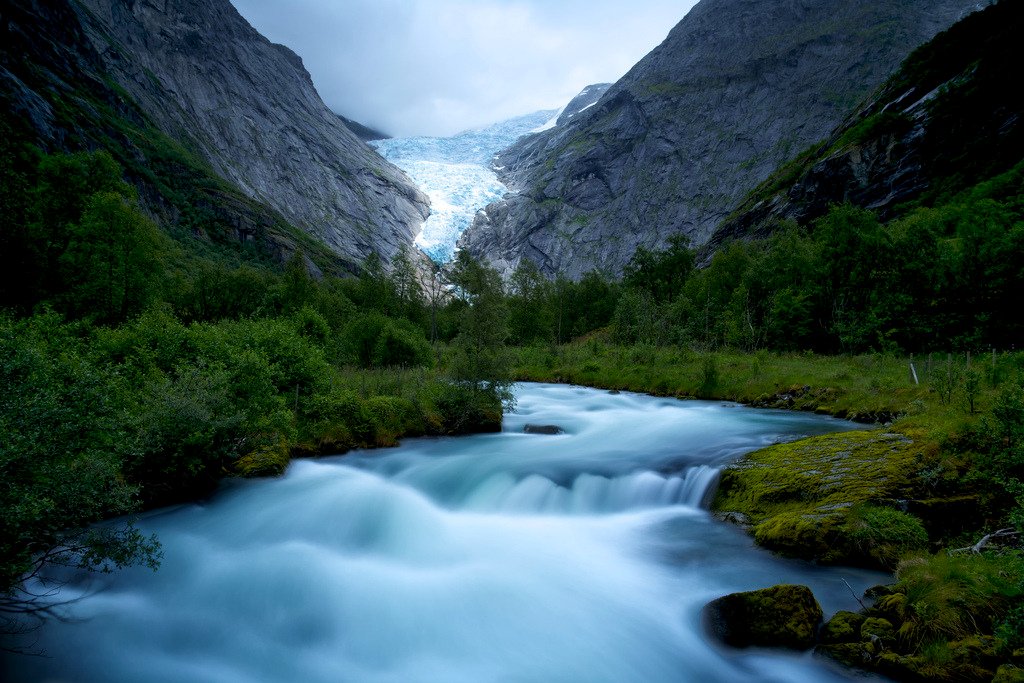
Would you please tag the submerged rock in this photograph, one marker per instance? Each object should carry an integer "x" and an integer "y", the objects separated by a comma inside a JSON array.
[
  {"x": 780, "y": 616},
  {"x": 740, "y": 519},
  {"x": 543, "y": 429}
]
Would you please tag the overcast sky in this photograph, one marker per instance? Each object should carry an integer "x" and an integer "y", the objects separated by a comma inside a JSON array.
[{"x": 436, "y": 67}]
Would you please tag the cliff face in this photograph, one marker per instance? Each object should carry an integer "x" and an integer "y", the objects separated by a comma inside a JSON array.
[
  {"x": 198, "y": 73},
  {"x": 201, "y": 72},
  {"x": 951, "y": 116},
  {"x": 737, "y": 88}
]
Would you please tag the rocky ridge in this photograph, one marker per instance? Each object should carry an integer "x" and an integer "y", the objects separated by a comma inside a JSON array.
[
  {"x": 907, "y": 143},
  {"x": 199, "y": 74},
  {"x": 586, "y": 99},
  {"x": 737, "y": 88}
]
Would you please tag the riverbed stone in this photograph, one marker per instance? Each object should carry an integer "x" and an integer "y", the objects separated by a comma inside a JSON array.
[
  {"x": 543, "y": 429},
  {"x": 781, "y": 616},
  {"x": 740, "y": 519},
  {"x": 847, "y": 654}
]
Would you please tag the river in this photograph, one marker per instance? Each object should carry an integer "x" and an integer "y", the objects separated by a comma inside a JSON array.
[{"x": 579, "y": 557}]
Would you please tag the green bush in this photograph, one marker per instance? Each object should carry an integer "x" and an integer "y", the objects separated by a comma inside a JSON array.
[
  {"x": 374, "y": 340},
  {"x": 884, "y": 534},
  {"x": 399, "y": 344},
  {"x": 950, "y": 597}
]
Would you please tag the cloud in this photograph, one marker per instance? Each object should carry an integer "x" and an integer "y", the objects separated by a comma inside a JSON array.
[{"x": 435, "y": 67}]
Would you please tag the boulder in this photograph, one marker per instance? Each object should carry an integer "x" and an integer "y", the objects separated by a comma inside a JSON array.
[
  {"x": 543, "y": 429},
  {"x": 844, "y": 627},
  {"x": 876, "y": 627},
  {"x": 780, "y": 616}
]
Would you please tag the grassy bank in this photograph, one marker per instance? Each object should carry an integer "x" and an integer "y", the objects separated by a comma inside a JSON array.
[{"x": 911, "y": 495}]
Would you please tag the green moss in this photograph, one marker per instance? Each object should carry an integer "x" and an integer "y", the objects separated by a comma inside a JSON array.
[
  {"x": 1008, "y": 673},
  {"x": 808, "y": 498},
  {"x": 268, "y": 461},
  {"x": 780, "y": 616},
  {"x": 843, "y": 627},
  {"x": 884, "y": 534},
  {"x": 877, "y": 627}
]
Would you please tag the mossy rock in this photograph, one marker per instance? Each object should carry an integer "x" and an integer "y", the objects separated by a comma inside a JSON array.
[
  {"x": 965, "y": 661},
  {"x": 780, "y": 616},
  {"x": 977, "y": 650},
  {"x": 843, "y": 627},
  {"x": 268, "y": 461},
  {"x": 1008, "y": 673},
  {"x": 876, "y": 627},
  {"x": 818, "y": 498},
  {"x": 847, "y": 654}
]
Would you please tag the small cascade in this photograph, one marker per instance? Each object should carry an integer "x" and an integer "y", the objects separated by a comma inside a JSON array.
[
  {"x": 583, "y": 556},
  {"x": 591, "y": 494}
]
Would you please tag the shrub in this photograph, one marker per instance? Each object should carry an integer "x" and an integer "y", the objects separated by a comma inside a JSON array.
[
  {"x": 884, "y": 534},
  {"x": 949, "y": 597},
  {"x": 399, "y": 344}
]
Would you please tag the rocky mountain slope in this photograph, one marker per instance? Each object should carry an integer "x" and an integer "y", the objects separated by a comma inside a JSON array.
[
  {"x": 587, "y": 98},
  {"x": 737, "y": 88},
  {"x": 234, "y": 108},
  {"x": 951, "y": 116},
  {"x": 362, "y": 131}
]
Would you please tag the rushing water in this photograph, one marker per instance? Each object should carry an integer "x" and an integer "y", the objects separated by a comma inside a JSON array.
[{"x": 511, "y": 557}]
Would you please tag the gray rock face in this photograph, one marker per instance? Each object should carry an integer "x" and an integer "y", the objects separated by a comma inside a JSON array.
[
  {"x": 587, "y": 98},
  {"x": 908, "y": 139},
  {"x": 737, "y": 88},
  {"x": 249, "y": 107}
]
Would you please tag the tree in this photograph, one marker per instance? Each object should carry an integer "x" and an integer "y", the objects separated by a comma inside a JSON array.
[
  {"x": 661, "y": 273},
  {"x": 480, "y": 361},
  {"x": 61, "y": 458},
  {"x": 406, "y": 286},
  {"x": 530, "y": 314},
  {"x": 110, "y": 265}
]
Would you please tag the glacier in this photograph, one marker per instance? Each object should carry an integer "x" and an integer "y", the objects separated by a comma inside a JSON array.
[{"x": 456, "y": 172}]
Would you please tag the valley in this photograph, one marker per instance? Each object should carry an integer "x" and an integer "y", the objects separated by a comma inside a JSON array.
[{"x": 286, "y": 398}]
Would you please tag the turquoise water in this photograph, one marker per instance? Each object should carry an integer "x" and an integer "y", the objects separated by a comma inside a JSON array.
[{"x": 512, "y": 557}]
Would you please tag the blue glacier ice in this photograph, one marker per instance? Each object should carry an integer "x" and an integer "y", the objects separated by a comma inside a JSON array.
[{"x": 456, "y": 173}]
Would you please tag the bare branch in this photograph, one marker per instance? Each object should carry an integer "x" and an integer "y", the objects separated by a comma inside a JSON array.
[{"x": 986, "y": 540}]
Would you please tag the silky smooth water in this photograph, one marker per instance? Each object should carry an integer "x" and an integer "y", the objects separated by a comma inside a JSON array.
[{"x": 579, "y": 557}]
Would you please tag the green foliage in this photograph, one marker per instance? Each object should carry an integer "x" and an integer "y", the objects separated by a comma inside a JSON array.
[
  {"x": 885, "y": 534},
  {"x": 60, "y": 456},
  {"x": 479, "y": 360},
  {"x": 950, "y": 597},
  {"x": 660, "y": 273},
  {"x": 709, "y": 375},
  {"x": 374, "y": 340},
  {"x": 1000, "y": 461}
]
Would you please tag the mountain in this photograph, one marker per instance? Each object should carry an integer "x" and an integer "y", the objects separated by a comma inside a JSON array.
[
  {"x": 363, "y": 132},
  {"x": 587, "y": 98},
  {"x": 950, "y": 117},
  {"x": 208, "y": 117},
  {"x": 737, "y": 88}
]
